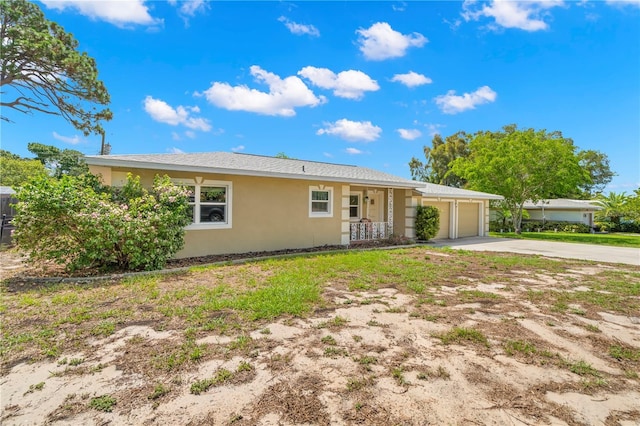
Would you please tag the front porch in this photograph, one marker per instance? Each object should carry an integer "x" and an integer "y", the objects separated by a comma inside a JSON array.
[{"x": 367, "y": 230}]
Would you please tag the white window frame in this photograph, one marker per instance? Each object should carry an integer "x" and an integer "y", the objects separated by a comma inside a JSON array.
[
  {"x": 198, "y": 183},
  {"x": 321, "y": 188},
  {"x": 360, "y": 206}
]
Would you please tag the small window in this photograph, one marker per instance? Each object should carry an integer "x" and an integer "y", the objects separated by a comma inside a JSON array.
[
  {"x": 355, "y": 206},
  {"x": 320, "y": 203}
]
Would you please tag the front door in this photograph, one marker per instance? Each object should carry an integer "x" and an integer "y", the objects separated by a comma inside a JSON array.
[{"x": 376, "y": 204}]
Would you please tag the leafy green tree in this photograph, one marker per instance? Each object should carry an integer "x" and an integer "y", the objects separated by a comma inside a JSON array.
[
  {"x": 75, "y": 222},
  {"x": 40, "y": 61},
  {"x": 427, "y": 222},
  {"x": 438, "y": 159},
  {"x": 16, "y": 171},
  {"x": 59, "y": 162},
  {"x": 631, "y": 207},
  {"x": 596, "y": 165},
  {"x": 613, "y": 208},
  {"x": 520, "y": 165},
  {"x": 282, "y": 155}
]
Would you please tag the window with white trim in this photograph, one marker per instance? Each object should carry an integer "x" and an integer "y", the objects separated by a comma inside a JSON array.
[
  {"x": 320, "y": 201},
  {"x": 355, "y": 206},
  {"x": 209, "y": 203}
]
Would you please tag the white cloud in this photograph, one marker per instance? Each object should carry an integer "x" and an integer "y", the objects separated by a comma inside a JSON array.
[
  {"x": 282, "y": 99},
  {"x": 190, "y": 134},
  {"x": 624, "y": 2},
  {"x": 299, "y": 29},
  {"x": 353, "y": 151},
  {"x": 175, "y": 136},
  {"x": 349, "y": 84},
  {"x": 380, "y": 42},
  {"x": 352, "y": 130},
  {"x": 174, "y": 150},
  {"x": 117, "y": 12},
  {"x": 433, "y": 128},
  {"x": 327, "y": 154},
  {"x": 191, "y": 7},
  {"x": 524, "y": 15},
  {"x": 409, "y": 134},
  {"x": 164, "y": 113},
  {"x": 412, "y": 79},
  {"x": 238, "y": 148},
  {"x": 453, "y": 104},
  {"x": 70, "y": 140},
  {"x": 399, "y": 7}
]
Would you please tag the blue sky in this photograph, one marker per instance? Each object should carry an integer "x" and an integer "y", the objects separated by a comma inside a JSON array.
[{"x": 364, "y": 83}]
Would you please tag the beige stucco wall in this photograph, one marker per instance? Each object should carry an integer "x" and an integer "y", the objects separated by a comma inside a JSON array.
[
  {"x": 445, "y": 215},
  {"x": 267, "y": 214}
]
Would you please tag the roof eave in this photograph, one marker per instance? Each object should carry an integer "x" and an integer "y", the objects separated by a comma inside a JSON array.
[{"x": 96, "y": 161}]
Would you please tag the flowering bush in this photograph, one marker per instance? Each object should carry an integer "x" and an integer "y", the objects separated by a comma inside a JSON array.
[{"x": 79, "y": 223}]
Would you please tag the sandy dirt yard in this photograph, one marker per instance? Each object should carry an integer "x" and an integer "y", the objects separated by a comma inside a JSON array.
[{"x": 443, "y": 338}]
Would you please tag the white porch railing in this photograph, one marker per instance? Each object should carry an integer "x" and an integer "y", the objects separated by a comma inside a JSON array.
[{"x": 369, "y": 231}]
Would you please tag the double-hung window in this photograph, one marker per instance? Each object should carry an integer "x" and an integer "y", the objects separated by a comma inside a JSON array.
[
  {"x": 355, "y": 206},
  {"x": 209, "y": 203},
  {"x": 320, "y": 201}
]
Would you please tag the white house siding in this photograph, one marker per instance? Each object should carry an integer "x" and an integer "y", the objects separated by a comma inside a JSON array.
[{"x": 561, "y": 215}]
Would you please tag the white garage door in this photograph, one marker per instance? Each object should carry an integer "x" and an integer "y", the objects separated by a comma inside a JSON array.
[
  {"x": 468, "y": 220},
  {"x": 444, "y": 217}
]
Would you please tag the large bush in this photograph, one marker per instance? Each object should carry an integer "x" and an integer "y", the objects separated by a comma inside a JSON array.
[
  {"x": 79, "y": 223},
  {"x": 427, "y": 222}
]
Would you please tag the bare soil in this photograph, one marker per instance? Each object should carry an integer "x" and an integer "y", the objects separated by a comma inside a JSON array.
[{"x": 365, "y": 357}]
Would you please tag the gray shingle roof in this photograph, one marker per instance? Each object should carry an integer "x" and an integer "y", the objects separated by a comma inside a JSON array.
[
  {"x": 441, "y": 191},
  {"x": 253, "y": 165},
  {"x": 563, "y": 203},
  {"x": 6, "y": 190}
]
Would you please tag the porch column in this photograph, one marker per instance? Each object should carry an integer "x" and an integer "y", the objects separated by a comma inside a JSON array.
[
  {"x": 389, "y": 211},
  {"x": 344, "y": 216},
  {"x": 410, "y": 205}
]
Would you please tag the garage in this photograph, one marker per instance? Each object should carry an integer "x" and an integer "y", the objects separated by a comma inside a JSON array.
[
  {"x": 445, "y": 214},
  {"x": 468, "y": 220}
]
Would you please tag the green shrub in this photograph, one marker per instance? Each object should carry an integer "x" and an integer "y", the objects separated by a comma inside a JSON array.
[
  {"x": 80, "y": 223},
  {"x": 427, "y": 222}
]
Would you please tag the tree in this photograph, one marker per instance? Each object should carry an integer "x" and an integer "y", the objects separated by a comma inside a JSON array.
[
  {"x": 520, "y": 165},
  {"x": 613, "y": 208},
  {"x": 15, "y": 171},
  {"x": 76, "y": 222},
  {"x": 631, "y": 209},
  {"x": 437, "y": 167},
  {"x": 596, "y": 164},
  {"x": 41, "y": 63},
  {"x": 282, "y": 155},
  {"x": 59, "y": 162}
]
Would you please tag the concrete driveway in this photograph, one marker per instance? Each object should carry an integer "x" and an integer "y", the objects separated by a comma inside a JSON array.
[{"x": 627, "y": 255}]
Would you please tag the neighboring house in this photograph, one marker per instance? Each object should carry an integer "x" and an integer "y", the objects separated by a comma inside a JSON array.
[
  {"x": 247, "y": 203},
  {"x": 562, "y": 210},
  {"x": 7, "y": 198}
]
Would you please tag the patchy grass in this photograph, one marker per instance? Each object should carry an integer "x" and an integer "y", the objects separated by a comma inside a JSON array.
[
  {"x": 463, "y": 335},
  {"x": 400, "y": 305}
]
